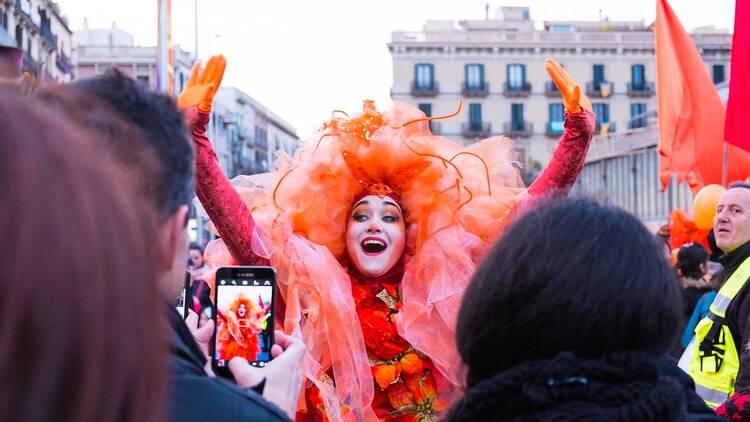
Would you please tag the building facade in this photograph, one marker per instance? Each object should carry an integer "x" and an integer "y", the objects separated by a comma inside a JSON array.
[
  {"x": 497, "y": 67},
  {"x": 246, "y": 135},
  {"x": 39, "y": 29},
  {"x": 96, "y": 50}
]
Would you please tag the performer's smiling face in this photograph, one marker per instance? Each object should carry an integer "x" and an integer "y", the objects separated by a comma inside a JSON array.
[
  {"x": 375, "y": 235},
  {"x": 241, "y": 310}
]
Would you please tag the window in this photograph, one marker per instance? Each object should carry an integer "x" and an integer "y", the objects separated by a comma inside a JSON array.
[
  {"x": 4, "y": 20},
  {"x": 19, "y": 36},
  {"x": 637, "y": 77},
  {"x": 638, "y": 115},
  {"x": 598, "y": 76},
  {"x": 475, "y": 117},
  {"x": 144, "y": 80},
  {"x": 602, "y": 113},
  {"x": 474, "y": 74},
  {"x": 426, "y": 108},
  {"x": 718, "y": 73},
  {"x": 516, "y": 74},
  {"x": 424, "y": 76},
  {"x": 516, "y": 117},
  {"x": 556, "y": 118}
]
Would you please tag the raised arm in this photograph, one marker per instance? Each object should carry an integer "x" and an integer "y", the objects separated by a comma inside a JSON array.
[
  {"x": 222, "y": 203},
  {"x": 569, "y": 156}
]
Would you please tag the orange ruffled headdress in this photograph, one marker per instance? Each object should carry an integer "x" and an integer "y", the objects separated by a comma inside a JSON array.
[{"x": 456, "y": 202}]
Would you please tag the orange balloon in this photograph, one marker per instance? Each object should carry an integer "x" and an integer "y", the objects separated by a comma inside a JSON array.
[{"x": 704, "y": 205}]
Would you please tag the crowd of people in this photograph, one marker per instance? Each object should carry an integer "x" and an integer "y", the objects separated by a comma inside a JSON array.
[{"x": 417, "y": 280}]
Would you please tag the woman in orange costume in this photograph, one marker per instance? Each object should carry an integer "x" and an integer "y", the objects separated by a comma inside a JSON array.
[
  {"x": 239, "y": 329},
  {"x": 375, "y": 227}
]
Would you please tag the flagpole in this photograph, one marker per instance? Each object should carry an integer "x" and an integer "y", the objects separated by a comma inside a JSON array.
[{"x": 725, "y": 165}]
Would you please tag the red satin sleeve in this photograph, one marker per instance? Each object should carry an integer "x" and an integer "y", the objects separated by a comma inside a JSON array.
[
  {"x": 223, "y": 205},
  {"x": 569, "y": 156}
]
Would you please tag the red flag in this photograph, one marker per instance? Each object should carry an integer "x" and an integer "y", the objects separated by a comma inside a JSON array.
[
  {"x": 691, "y": 115},
  {"x": 737, "y": 129}
]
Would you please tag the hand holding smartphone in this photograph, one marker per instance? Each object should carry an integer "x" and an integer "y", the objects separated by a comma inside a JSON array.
[{"x": 243, "y": 319}]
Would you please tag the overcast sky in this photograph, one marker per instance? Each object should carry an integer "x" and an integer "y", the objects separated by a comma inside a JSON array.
[{"x": 304, "y": 58}]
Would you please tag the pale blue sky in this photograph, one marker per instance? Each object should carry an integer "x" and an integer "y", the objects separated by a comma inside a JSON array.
[{"x": 304, "y": 58}]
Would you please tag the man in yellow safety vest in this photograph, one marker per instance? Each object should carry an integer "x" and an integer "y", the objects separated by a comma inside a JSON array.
[{"x": 720, "y": 356}]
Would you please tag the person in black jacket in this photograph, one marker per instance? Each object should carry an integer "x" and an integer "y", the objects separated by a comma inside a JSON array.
[
  {"x": 165, "y": 178},
  {"x": 569, "y": 318}
]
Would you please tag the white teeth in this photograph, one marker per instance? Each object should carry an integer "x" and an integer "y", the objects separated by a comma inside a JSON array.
[{"x": 373, "y": 242}]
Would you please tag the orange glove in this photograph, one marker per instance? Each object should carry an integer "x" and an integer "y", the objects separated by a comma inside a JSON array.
[
  {"x": 202, "y": 85},
  {"x": 573, "y": 98}
]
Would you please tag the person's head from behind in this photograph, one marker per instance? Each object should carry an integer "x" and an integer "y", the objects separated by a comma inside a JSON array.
[
  {"x": 732, "y": 220},
  {"x": 692, "y": 261},
  {"x": 570, "y": 275},
  {"x": 165, "y": 134},
  {"x": 76, "y": 236},
  {"x": 195, "y": 253}
]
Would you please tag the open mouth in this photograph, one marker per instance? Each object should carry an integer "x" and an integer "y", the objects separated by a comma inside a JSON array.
[{"x": 373, "y": 246}]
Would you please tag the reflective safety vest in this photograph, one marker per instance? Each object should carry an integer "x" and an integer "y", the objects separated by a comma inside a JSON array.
[{"x": 715, "y": 361}]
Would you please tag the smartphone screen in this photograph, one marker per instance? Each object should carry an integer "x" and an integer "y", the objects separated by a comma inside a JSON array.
[
  {"x": 181, "y": 303},
  {"x": 243, "y": 316}
]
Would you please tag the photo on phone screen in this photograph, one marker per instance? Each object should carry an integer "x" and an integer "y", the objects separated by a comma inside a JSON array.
[{"x": 243, "y": 315}]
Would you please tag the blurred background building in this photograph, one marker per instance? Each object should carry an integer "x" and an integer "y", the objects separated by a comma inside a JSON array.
[
  {"x": 41, "y": 31},
  {"x": 497, "y": 66}
]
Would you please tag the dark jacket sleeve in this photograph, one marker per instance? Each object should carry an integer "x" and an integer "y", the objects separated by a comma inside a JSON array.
[
  {"x": 198, "y": 398},
  {"x": 743, "y": 329}
]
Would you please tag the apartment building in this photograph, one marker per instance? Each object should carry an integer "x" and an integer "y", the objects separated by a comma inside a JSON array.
[
  {"x": 496, "y": 66},
  {"x": 96, "y": 50},
  {"x": 41, "y": 31}
]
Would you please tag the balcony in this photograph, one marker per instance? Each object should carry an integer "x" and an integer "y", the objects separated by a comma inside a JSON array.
[
  {"x": 638, "y": 123},
  {"x": 550, "y": 89},
  {"x": 610, "y": 128},
  {"x": 642, "y": 90},
  {"x": 429, "y": 90},
  {"x": 518, "y": 129},
  {"x": 26, "y": 15},
  {"x": 48, "y": 36},
  {"x": 29, "y": 63},
  {"x": 517, "y": 90},
  {"x": 601, "y": 89},
  {"x": 475, "y": 90},
  {"x": 476, "y": 129},
  {"x": 554, "y": 129},
  {"x": 63, "y": 62}
]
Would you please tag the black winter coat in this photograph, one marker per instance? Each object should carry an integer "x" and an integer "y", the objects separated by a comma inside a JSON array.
[
  {"x": 626, "y": 386},
  {"x": 196, "y": 397}
]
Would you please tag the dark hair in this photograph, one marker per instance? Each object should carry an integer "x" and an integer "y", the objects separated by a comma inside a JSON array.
[
  {"x": 570, "y": 275},
  {"x": 123, "y": 142},
  {"x": 689, "y": 260},
  {"x": 164, "y": 132},
  {"x": 78, "y": 341},
  {"x": 195, "y": 246},
  {"x": 743, "y": 185}
]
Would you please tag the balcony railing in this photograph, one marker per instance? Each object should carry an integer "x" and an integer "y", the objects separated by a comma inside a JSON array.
[
  {"x": 429, "y": 90},
  {"x": 550, "y": 89},
  {"x": 518, "y": 129},
  {"x": 601, "y": 89},
  {"x": 554, "y": 129},
  {"x": 63, "y": 62},
  {"x": 645, "y": 89},
  {"x": 517, "y": 90},
  {"x": 48, "y": 36},
  {"x": 610, "y": 127},
  {"x": 29, "y": 63},
  {"x": 476, "y": 129},
  {"x": 475, "y": 90},
  {"x": 638, "y": 123}
]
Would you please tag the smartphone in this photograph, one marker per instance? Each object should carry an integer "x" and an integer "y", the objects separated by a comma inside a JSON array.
[
  {"x": 181, "y": 304},
  {"x": 243, "y": 316}
]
